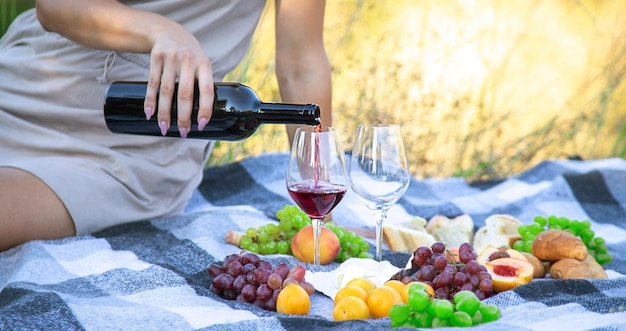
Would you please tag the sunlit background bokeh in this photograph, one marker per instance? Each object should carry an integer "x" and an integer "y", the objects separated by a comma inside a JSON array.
[{"x": 482, "y": 89}]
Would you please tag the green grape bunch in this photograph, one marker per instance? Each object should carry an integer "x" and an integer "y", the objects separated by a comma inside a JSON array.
[
  {"x": 582, "y": 229},
  {"x": 272, "y": 238},
  {"x": 425, "y": 311},
  {"x": 352, "y": 245},
  {"x": 275, "y": 238}
]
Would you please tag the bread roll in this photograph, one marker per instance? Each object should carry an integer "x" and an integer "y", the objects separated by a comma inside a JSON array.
[
  {"x": 451, "y": 231},
  {"x": 500, "y": 230}
]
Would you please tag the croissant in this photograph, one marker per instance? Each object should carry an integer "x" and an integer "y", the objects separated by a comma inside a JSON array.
[{"x": 554, "y": 245}]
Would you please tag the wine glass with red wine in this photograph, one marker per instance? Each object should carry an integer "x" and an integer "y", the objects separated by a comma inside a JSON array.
[
  {"x": 379, "y": 172},
  {"x": 316, "y": 176}
]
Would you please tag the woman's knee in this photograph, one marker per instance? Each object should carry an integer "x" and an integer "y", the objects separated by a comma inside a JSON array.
[{"x": 29, "y": 210}]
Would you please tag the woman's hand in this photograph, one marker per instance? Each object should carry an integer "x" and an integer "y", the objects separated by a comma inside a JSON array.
[{"x": 177, "y": 54}]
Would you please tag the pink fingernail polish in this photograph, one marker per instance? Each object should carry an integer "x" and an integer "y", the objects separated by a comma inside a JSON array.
[
  {"x": 148, "y": 111},
  {"x": 183, "y": 132},
  {"x": 163, "y": 126},
  {"x": 202, "y": 123}
]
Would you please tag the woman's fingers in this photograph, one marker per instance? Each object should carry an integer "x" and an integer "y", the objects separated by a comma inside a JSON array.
[
  {"x": 166, "y": 93},
  {"x": 152, "y": 90},
  {"x": 190, "y": 74},
  {"x": 186, "y": 84},
  {"x": 207, "y": 95}
]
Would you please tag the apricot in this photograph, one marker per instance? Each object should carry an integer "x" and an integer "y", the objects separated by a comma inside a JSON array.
[
  {"x": 407, "y": 288},
  {"x": 351, "y": 308},
  {"x": 302, "y": 245},
  {"x": 396, "y": 285},
  {"x": 508, "y": 273},
  {"x": 293, "y": 299},
  {"x": 351, "y": 291},
  {"x": 365, "y": 283},
  {"x": 381, "y": 299}
]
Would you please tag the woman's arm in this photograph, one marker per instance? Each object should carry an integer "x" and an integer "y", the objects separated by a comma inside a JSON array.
[
  {"x": 102, "y": 24},
  {"x": 175, "y": 53},
  {"x": 302, "y": 66}
]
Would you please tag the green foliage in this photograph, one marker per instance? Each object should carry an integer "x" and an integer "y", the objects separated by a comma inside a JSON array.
[{"x": 9, "y": 9}]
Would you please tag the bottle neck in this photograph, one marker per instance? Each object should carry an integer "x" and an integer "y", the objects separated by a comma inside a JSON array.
[{"x": 284, "y": 113}]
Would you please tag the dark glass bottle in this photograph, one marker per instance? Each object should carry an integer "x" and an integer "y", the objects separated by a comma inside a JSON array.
[{"x": 237, "y": 112}]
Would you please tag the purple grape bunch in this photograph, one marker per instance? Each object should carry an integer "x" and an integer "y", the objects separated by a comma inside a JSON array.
[
  {"x": 248, "y": 278},
  {"x": 446, "y": 274}
]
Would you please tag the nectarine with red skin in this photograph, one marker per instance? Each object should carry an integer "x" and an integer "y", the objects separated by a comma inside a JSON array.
[
  {"x": 302, "y": 245},
  {"x": 508, "y": 273}
]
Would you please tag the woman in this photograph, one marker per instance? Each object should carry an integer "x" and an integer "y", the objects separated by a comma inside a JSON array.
[{"x": 62, "y": 172}]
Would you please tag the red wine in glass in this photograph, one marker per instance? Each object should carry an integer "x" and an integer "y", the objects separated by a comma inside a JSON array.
[
  {"x": 316, "y": 176},
  {"x": 316, "y": 200}
]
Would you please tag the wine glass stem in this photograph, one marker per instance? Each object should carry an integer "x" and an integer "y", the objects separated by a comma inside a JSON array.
[
  {"x": 317, "y": 234},
  {"x": 379, "y": 217}
]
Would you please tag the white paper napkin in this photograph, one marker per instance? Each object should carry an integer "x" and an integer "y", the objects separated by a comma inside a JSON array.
[{"x": 330, "y": 282}]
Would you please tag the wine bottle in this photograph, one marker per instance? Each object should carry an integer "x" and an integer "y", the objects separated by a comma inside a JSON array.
[{"x": 237, "y": 112}]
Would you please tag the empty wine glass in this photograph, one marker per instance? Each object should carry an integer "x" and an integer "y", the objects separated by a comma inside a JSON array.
[
  {"x": 316, "y": 176},
  {"x": 379, "y": 172}
]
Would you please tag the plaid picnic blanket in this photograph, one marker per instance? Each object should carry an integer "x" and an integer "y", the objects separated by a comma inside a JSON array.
[{"x": 152, "y": 275}]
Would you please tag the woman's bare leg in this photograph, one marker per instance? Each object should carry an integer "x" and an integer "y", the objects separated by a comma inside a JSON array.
[{"x": 29, "y": 210}]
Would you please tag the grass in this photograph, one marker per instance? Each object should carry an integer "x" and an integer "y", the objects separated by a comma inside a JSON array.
[{"x": 481, "y": 89}]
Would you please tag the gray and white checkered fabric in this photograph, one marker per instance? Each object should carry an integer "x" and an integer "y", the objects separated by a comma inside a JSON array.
[{"x": 151, "y": 275}]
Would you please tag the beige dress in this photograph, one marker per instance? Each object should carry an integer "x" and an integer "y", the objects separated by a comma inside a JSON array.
[{"x": 52, "y": 124}]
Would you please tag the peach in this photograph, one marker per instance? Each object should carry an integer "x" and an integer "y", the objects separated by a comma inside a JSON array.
[
  {"x": 491, "y": 253},
  {"x": 452, "y": 253},
  {"x": 302, "y": 245},
  {"x": 508, "y": 273},
  {"x": 539, "y": 266}
]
